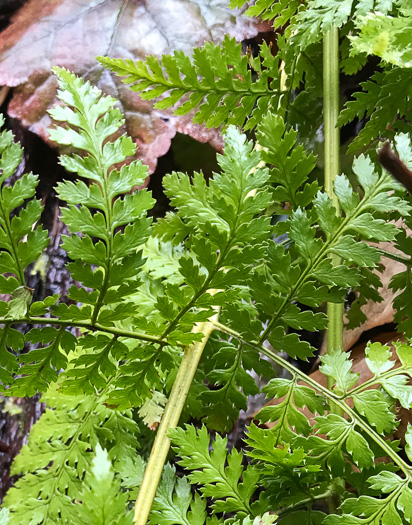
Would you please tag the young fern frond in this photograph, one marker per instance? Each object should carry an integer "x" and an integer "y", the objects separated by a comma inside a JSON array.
[
  {"x": 219, "y": 84},
  {"x": 60, "y": 451},
  {"x": 102, "y": 501}
]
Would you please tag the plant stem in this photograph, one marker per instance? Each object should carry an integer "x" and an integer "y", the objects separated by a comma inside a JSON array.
[
  {"x": 407, "y": 261},
  {"x": 330, "y": 115},
  {"x": 303, "y": 502},
  {"x": 86, "y": 325},
  {"x": 170, "y": 419},
  {"x": 331, "y": 162}
]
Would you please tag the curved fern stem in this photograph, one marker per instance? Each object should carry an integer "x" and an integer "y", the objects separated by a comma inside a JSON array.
[{"x": 170, "y": 419}]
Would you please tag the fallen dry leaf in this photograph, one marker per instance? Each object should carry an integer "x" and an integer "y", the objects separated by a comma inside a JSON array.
[
  {"x": 71, "y": 34},
  {"x": 377, "y": 314}
]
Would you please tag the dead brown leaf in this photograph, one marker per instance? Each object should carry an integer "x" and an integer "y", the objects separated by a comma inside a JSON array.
[
  {"x": 378, "y": 314},
  {"x": 71, "y": 34}
]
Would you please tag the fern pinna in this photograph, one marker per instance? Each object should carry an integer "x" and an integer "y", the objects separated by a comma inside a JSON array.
[{"x": 211, "y": 277}]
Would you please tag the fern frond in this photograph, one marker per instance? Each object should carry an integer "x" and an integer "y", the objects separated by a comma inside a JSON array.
[
  {"x": 92, "y": 119},
  {"x": 18, "y": 251},
  {"x": 60, "y": 451},
  {"x": 285, "y": 473},
  {"x": 230, "y": 486},
  {"x": 108, "y": 267},
  {"x": 385, "y": 36},
  {"x": 219, "y": 84},
  {"x": 224, "y": 220},
  {"x": 22, "y": 241},
  {"x": 374, "y": 405},
  {"x": 291, "y": 165},
  {"x": 288, "y": 419},
  {"x": 384, "y": 101},
  {"x": 40, "y": 366},
  {"x": 342, "y": 236},
  {"x": 102, "y": 502},
  {"x": 347, "y": 436},
  {"x": 320, "y": 15},
  {"x": 107, "y": 213},
  {"x": 174, "y": 503},
  {"x": 395, "y": 507}
]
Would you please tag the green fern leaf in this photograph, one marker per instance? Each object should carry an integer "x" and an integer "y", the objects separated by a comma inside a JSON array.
[
  {"x": 21, "y": 243},
  {"x": 60, "y": 451},
  {"x": 341, "y": 438},
  {"x": 222, "y": 483},
  {"x": 41, "y": 366},
  {"x": 291, "y": 164},
  {"x": 385, "y": 36},
  {"x": 366, "y": 509},
  {"x": 285, "y": 473},
  {"x": 92, "y": 119},
  {"x": 320, "y": 15},
  {"x": 384, "y": 101},
  {"x": 174, "y": 503},
  {"x": 338, "y": 367},
  {"x": 218, "y": 85},
  {"x": 225, "y": 219},
  {"x": 102, "y": 502},
  {"x": 287, "y": 418}
]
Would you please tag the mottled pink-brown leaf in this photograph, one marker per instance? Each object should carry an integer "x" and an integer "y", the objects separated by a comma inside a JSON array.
[{"x": 71, "y": 34}]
